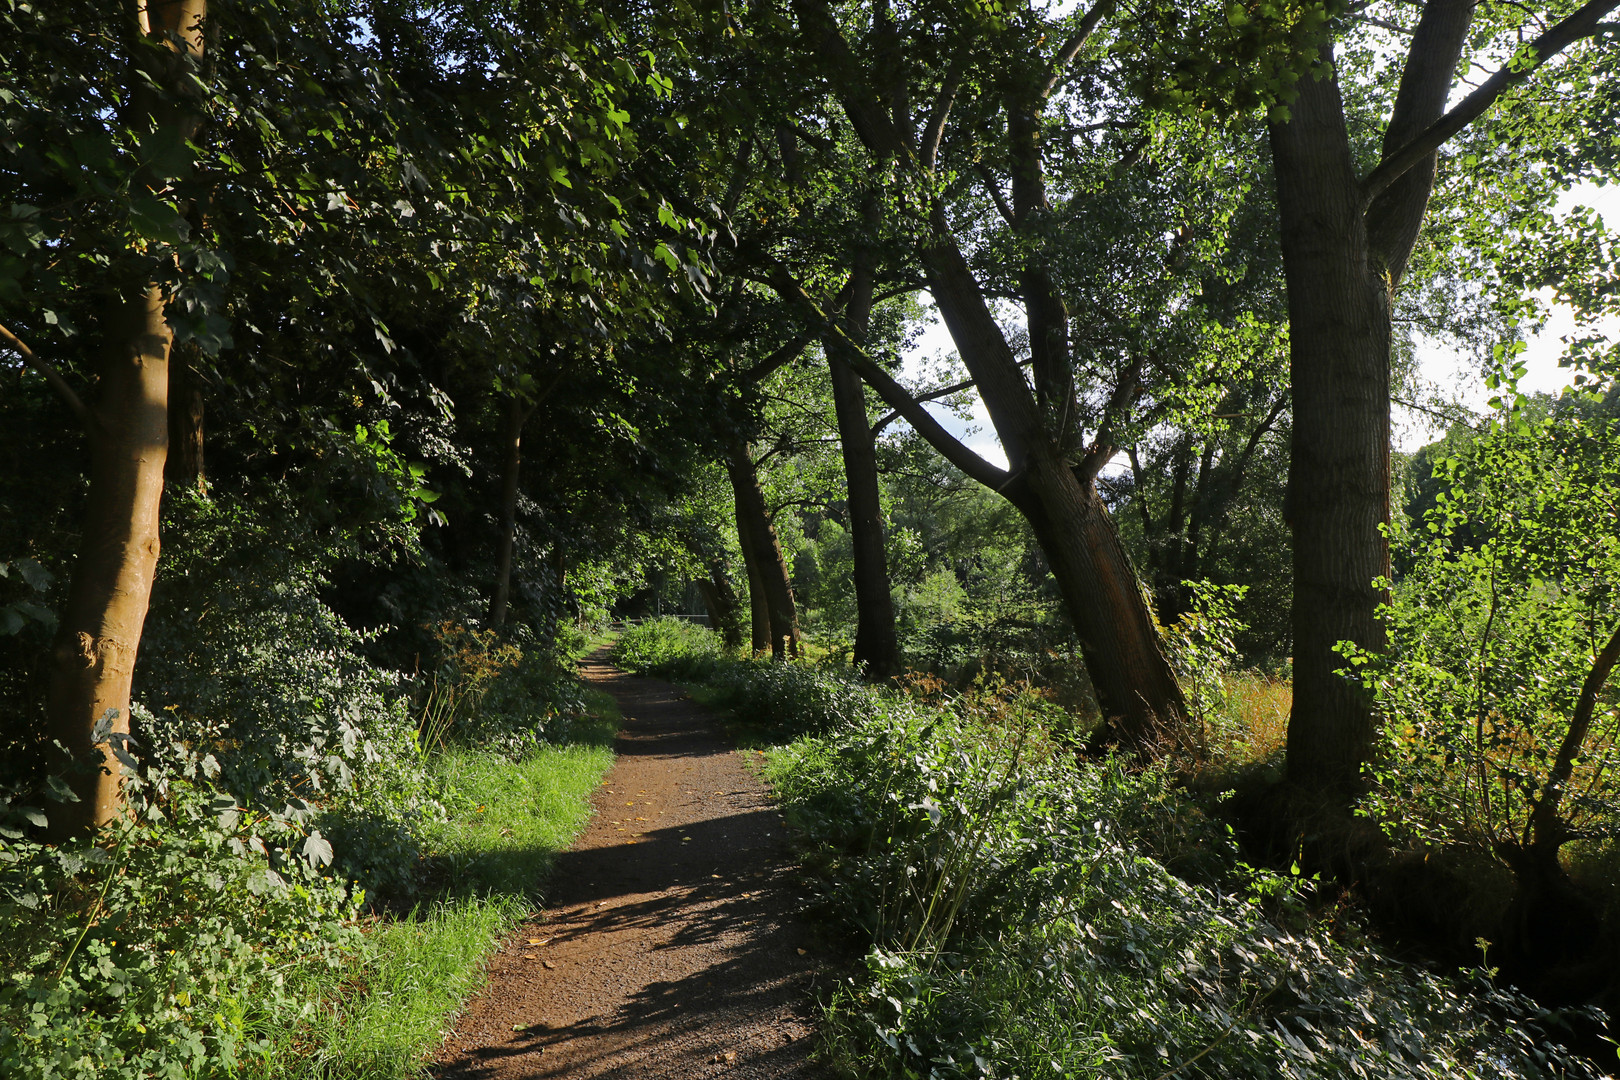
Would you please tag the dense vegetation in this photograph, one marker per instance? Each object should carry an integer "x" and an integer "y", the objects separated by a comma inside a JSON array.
[{"x": 363, "y": 361}]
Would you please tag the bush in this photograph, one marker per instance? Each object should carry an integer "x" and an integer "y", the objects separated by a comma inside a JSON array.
[
  {"x": 671, "y": 647},
  {"x": 1015, "y": 924},
  {"x": 790, "y": 699},
  {"x": 169, "y": 949},
  {"x": 1514, "y": 588}
]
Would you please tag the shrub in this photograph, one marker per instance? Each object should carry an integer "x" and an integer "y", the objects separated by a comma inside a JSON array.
[
  {"x": 1514, "y": 589},
  {"x": 671, "y": 647},
  {"x": 1015, "y": 925},
  {"x": 790, "y": 699},
  {"x": 167, "y": 950}
]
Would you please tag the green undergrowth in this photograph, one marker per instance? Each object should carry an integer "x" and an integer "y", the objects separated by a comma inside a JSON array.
[
  {"x": 1017, "y": 913},
  {"x": 487, "y": 860}
]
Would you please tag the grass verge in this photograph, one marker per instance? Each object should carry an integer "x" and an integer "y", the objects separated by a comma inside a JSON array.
[{"x": 486, "y": 862}]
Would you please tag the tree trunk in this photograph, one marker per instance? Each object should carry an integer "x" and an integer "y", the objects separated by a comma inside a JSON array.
[
  {"x": 759, "y": 611},
  {"x": 754, "y": 520},
  {"x": 516, "y": 416},
  {"x": 1142, "y": 703},
  {"x": 721, "y": 601},
  {"x": 877, "y": 647},
  {"x": 1338, "y": 476},
  {"x": 184, "y": 465},
  {"x": 93, "y": 655},
  {"x": 99, "y": 632}
]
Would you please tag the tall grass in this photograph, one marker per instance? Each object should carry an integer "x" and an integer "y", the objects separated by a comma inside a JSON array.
[{"x": 487, "y": 862}]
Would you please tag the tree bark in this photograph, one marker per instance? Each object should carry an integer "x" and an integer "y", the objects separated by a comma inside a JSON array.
[
  {"x": 187, "y": 410},
  {"x": 721, "y": 601},
  {"x": 99, "y": 632},
  {"x": 1338, "y": 476},
  {"x": 754, "y": 520},
  {"x": 759, "y": 610},
  {"x": 93, "y": 655},
  {"x": 877, "y": 646},
  {"x": 511, "y": 463}
]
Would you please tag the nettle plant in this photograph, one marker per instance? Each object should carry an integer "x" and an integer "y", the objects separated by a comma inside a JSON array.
[
  {"x": 169, "y": 944},
  {"x": 1500, "y": 722}
]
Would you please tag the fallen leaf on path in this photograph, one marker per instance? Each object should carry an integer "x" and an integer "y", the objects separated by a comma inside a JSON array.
[
  {"x": 529, "y": 956},
  {"x": 801, "y": 952},
  {"x": 539, "y": 941},
  {"x": 548, "y": 965}
]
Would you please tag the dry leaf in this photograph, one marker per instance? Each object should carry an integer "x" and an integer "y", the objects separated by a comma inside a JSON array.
[
  {"x": 539, "y": 941},
  {"x": 548, "y": 965},
  {"x": 801, "y": 952}
]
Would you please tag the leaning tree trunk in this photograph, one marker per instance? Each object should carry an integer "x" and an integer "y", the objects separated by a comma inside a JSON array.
[
  {"x": 93, "y": 656},
  {"x": 1143, "y": 706},
  {"x": 1338, "y": 475},
  {"x": 754, "y": 520}
]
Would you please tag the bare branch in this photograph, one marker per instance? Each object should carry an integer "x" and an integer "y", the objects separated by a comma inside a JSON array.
[
  {"x": 1385, "y": 24},
  {"x": 932, "y": 395},
  {"x": 850, "y": 352},
  {"x": 54, "y": 378},
  {"x": 1584, "y": 23}
]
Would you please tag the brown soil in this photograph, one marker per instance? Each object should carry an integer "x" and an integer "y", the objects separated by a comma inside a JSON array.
[{"x": 670, "y": 945}]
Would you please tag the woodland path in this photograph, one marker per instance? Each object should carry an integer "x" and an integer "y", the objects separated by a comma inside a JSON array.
[{"x": 671, "y": 947}]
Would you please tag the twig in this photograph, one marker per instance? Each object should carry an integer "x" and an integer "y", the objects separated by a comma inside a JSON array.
[{"x": 54, "y": 377}]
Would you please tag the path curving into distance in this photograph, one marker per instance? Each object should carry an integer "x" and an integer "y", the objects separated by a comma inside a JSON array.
[{"x": 669, "y": 945}]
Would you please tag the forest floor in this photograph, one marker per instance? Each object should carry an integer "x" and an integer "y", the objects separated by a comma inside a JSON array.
[{"x": 670, "y": 944}]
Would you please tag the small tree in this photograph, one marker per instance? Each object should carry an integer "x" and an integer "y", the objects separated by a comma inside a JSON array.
[{"x": 1499, "y": 725}]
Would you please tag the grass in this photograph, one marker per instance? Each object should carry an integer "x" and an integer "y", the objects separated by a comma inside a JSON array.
[{"x": 508, "y": 820}]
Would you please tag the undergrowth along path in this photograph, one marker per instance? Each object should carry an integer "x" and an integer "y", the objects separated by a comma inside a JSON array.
[{"x": 669, "y": 946}]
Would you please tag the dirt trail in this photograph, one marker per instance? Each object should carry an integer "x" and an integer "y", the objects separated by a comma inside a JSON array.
[{"x": 671, "y": 948}]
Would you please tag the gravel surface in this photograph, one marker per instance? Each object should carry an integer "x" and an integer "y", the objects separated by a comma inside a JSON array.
[{"x": 670, "y": 945}]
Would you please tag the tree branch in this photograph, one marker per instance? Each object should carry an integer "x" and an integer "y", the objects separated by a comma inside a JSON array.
[
  {"x": 995, "y": 192},
  {"x": 780, "y": 358},
  {"x": 932, "y": 395},
  {"x": 937, "y": 118},
  {"x": 54, "y": 378},
  {"x": 1585, "y": 22},
  {"x": 1072, "y": 47},
  {"x": 851, "y": 353}
]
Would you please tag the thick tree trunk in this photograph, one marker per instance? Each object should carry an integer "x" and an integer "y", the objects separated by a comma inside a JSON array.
[
  {"x": 877, "y": 647},
  {"x": 754, "y": 520},
  {"x": 721, "y": 601},
  {"x": 184, "y": 465},
  {"x": 511, "y": 463},
  {"x": 1142, "y": 703},
  {"x": 1338, "y": 477},
  {"x": 759, "y": 611},
  {"x": 93, "y": 656}
]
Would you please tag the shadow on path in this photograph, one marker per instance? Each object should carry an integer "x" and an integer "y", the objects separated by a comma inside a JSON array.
[{"x": 669, "y": 946}]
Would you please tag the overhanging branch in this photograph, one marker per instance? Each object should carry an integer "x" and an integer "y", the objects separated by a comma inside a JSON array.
[
  {"x": 54, "y": 378},
  {"x": 1584, "y": 23}
]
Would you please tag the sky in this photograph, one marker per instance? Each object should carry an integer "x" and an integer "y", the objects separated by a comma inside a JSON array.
[{"x": 1453, "y": 372}]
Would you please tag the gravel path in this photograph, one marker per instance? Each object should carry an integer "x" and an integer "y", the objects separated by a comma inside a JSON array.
[{"x": 669, "y": 946}]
